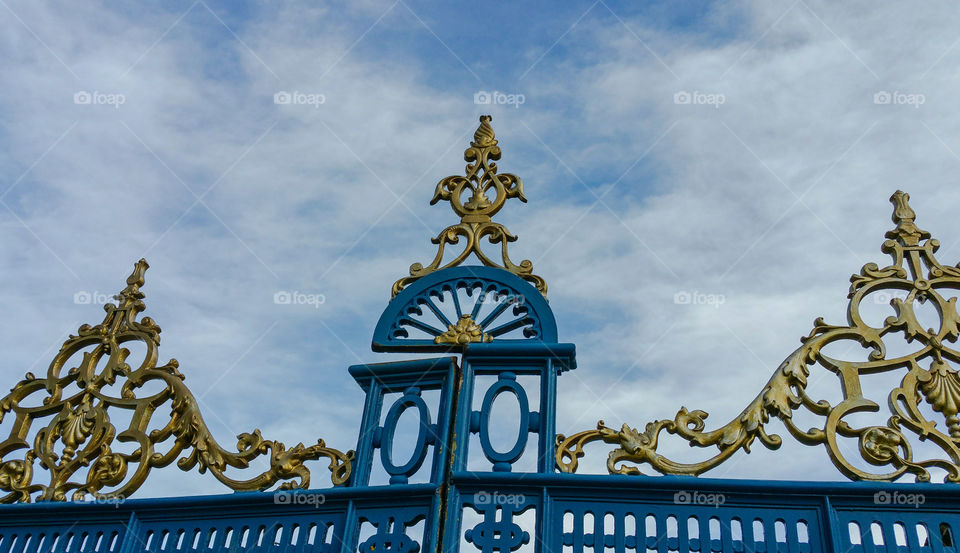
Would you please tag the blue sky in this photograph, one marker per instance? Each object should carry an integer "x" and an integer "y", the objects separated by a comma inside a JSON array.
[{"x": 771, "y": 198}]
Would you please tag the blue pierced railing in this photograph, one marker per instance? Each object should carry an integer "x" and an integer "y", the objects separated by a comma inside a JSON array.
[
  {"x": 469, "y": 484},
  {"x": 570, "y": 514}
]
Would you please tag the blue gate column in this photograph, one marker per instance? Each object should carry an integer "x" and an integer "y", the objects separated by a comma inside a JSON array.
[
  {"x": 500, "y": 505},
  {"x": 410, "y": 379},
  {"x": 508, "y": 361},
  {"x": 401, "y": 505}
]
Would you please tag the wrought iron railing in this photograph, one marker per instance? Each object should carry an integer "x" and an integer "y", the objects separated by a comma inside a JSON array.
[
  {"x": 475, "y": 481},
  {"x": 487, "y": 512}
]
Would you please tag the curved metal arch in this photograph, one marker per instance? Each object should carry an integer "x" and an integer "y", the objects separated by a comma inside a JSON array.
[{"x": 520, "y": 307}]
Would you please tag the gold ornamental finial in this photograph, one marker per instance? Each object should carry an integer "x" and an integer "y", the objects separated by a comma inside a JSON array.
[
  {"x": 476, "y": 213},
  {"x": 903, "y": 215},
  {"x": 484, "y": 135}
]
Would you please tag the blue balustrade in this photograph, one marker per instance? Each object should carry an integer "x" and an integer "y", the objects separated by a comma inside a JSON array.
[{"x": 572, "y": 514}]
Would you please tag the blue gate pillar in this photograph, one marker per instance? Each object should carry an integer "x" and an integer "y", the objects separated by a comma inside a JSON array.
[
  {"x": 506, "y": 336},
  {"x": 497, "y": 502},
  {"x": 410, "y": 379},
  {"x": 401, "y": 506},
  {"x": 507, "y": 362}
]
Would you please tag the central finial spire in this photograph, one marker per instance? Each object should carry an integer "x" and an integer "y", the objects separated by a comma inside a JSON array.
[
  {"x": 476, "y": 213},
  {"x": 907, "y": 232},
  {"x": 484, "y": 135}
]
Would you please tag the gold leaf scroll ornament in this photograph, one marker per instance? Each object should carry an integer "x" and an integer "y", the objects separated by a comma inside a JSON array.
[
  {"x": 915, "y": 273},
  {"x": 75, "y": 430}
]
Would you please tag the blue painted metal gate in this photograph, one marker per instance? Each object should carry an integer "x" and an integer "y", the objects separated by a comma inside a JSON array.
[
  {"x": 474, "y": 480},
  {"x": 462, "y": 488}
]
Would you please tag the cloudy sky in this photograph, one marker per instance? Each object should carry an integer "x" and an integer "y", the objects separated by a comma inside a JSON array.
[{"x": 739, "y": 149}]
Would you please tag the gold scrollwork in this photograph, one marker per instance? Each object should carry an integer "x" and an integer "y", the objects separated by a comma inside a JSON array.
[
  {"x": 80, "y": 434},
  {"x": 917, "y": 273},
  {"x": 476, "y": 213}
]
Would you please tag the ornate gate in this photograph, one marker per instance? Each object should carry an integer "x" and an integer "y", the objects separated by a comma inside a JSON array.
[{"x": 475, "y": 479}]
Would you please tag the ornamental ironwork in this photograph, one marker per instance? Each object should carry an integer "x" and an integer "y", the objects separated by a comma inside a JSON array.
[
  {"x": 78, "y": 399},
  {"x": 476, "y": 212},
  {"x": 502, "y": 305},
  {"x": 474, "y": 476},
  {"x": 463, "y": 332},
  {"x": 927, "y": 377}
]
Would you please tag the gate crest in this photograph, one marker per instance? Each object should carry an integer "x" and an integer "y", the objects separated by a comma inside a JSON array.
[{"x": 475, "y": 214}]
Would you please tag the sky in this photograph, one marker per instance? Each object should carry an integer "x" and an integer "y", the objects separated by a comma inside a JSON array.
[{"x": 734, "y": 150}]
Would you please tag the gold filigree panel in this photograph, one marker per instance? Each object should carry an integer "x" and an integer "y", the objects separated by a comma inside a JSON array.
[
  {"x": 75, "y": 431},
  {"x": 481, "y": 181},
  {"x": 928, "y": 377}
]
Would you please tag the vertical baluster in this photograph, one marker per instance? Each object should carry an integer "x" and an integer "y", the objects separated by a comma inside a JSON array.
[
  {"x": 660, "y": 530},
  {"x": 683, "y": 535},
  {"x": 913, "y": 537},
  {"x": 578, "y": 532},
  {"x": 21, "y": 542},
  {"x": 889, "y": 537},
  {"x": 936, "y": 541},
  {"x": 598, "y": 534},
  {"x": 868, "y": 540},
  {"x": 619, "y": 532},
  {"x": 703, "y": 522},
  {"x": 726, "y": 534},
  {"x": 866, "y": 535},
  {"x": 770, "y": 534},
  {"x": 220, "y": 541},
  {"x": 791, "y": 535}
]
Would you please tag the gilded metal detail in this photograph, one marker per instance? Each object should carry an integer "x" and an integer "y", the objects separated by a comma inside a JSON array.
[
  {"x": 927, "y": 376},
  {"x": 476, "y": 213},
  {"x": 79, "y": 432},
  {"x": 463, "y": 332}
]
